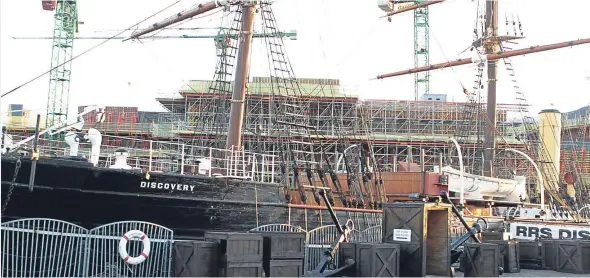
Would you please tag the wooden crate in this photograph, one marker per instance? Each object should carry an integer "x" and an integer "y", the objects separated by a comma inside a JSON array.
[
  {"x": 284, "y": 268},
  {"x": 481, "y": 260},
  {"x": 377, "y": 260},
  {"x": 194, "y": 259},
  {"x": 283, "y": 245},
  {"x": 371, "y": 259},
  {"x": 237, "y": 247},
  {"x": 548, "y": 254},
  {"x": 509, "y": 254},
  {"x": 530, "y": 255},
  {"x": 572, "y": 256},
  {"x": 423, "y": 232},
  {"x": 241, "y": 269},
  {"x": 347, "y": 250}
]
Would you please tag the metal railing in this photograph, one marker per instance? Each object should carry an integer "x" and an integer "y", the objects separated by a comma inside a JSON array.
[
  {"x": 40, "y": 247},
  {"x": 173, "y": 157},
  {"x": 320, "y": 238}
]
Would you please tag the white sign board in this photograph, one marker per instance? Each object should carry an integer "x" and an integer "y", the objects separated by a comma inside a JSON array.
[
  {"x": 402, "y": 235},
  {"x": 531, "y": 231}
]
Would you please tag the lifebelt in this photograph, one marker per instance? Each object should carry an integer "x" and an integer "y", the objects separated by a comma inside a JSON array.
[{"x": 123, "y": 247}]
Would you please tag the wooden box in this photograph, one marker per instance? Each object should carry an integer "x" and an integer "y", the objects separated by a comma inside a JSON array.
[
  {"x": 371, "y": 259},
  {"x": 194, "y": 259},
  {"x": 423, "y": 232},
  {"x": 241, "y": 269},
  {"x": 548, "y": 254},
  {"x": 284, "y": 268},
  {"x": 237, "y": 247},
  {"x": 509, "y": 255},
  {"x": 530, "y": 255},
  {"x": 481, "y": 260},
  {"x": 572, "y": 256},
  {"x": 283, "y": 245}
]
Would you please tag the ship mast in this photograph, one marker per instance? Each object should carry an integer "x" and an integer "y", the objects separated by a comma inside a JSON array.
[
  {"x": 234, "y": 136},
  {"x": 491, "y": 42},
  {"x": 491, "y": 33}
]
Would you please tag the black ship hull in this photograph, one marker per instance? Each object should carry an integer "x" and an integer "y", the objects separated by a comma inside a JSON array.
[{"x": 79, "y": 193}]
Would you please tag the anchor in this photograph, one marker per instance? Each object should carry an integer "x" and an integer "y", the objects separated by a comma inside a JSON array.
[
  {"x": 472, "y": 232},
  {"x": 329, "y": 253}
]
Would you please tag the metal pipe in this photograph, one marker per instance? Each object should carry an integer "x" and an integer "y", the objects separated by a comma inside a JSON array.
[
  {"x": 202, "y": 8},
  {"x": 342, "y": 156},
  {"x": 151, "y": 155},
  {"x": 182, "y": 160},
  {"x": 461, "y": 171},
  {"x": 413, "y": 7},
  {"x": 539, "y": 175},
  {"x": 495, "y": 56},
  {"x": 234, "y": 136}
]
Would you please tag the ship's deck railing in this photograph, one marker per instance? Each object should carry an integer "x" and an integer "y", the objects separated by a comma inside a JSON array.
[{"x": 181, "y": 158}]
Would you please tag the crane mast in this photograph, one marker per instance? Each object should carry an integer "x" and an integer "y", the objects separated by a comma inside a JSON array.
[
  {"x": 421, "y": 36},
  {"x": 64, "y": 31},
  {"x": 421, "y": 50}
]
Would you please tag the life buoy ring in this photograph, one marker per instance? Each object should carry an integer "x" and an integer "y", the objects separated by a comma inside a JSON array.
[{"x": 123, "y": 247}]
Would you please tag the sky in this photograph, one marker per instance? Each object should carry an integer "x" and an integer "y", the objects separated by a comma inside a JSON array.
[{"x": 342, "y": 39}]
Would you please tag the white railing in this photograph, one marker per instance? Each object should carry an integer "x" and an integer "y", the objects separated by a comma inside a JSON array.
[{"x": 162, "y": 156}]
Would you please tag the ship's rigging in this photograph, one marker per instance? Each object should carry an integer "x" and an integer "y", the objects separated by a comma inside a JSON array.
[
  {"x": 300, "y": 147},
  {"x": 495, "y": 49},
  {"x": 288, "y": 111}
]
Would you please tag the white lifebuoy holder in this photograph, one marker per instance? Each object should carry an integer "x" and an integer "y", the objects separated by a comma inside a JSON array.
[{"x": 123, "y": 247}]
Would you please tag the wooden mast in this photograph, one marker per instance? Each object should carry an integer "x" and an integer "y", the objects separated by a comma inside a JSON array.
[
  {"x": 488, "y": 57},
  {"x": 491, "y": 24},
  {"x": 234, "y": 136},
  {"x": 491, "y": 41}
]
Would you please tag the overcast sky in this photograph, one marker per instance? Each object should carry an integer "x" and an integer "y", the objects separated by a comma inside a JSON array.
[{"x": 336, "y": 39}]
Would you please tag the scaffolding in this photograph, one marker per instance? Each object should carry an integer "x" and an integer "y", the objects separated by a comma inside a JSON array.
[{"x": 400, "y": 130}]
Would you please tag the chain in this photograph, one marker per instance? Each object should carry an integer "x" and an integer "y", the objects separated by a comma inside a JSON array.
[{"x": 16, "y": 168}]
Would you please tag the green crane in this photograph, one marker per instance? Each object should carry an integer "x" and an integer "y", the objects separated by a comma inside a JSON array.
[
  {"x": 421, "y": 36},
  {"x": 64, "y": 31},
  {"x": 421, "y": 50}
]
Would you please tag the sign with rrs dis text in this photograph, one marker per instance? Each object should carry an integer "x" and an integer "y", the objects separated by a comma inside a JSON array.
[
  {"x": 534, "y": 231},
  {"x": 402, "y": 235}
]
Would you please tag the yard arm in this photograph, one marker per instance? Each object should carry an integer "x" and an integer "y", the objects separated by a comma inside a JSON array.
[{"x": 330, "y": 252}]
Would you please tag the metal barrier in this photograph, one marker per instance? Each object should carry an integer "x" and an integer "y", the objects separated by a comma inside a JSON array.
[
  {"x": 41, "y": 247},
  {"x": 318, "y": 239},
  {"x": 279, "y": 228}
]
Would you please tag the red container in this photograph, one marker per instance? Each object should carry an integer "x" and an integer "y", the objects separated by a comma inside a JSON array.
[{"x": 49, "y": 5}]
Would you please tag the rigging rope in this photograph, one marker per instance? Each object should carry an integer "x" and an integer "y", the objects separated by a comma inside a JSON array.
[{"x": 90, "y": 49}]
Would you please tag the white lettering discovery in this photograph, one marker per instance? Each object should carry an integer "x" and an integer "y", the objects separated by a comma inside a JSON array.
[{"x": 167, "y": 186}]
